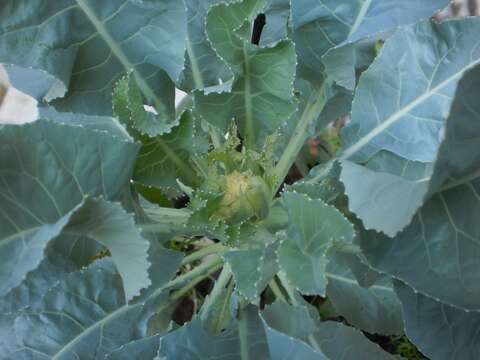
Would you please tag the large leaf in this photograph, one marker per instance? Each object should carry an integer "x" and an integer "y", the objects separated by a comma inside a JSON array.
[
  {"x": 439, "y": 331},
  {"x": 327, "y": 27},
  {"x": 403, "y": 99},
  {"x": 44, "y": 179},
  {"x": 312, "y": 339},
  {"x": 314, "y": 227},
  {"x": 145, "y": 348},
  {"x": 438, "y": 253},
  {"x": 243, "y": 339},
  {"x": 81, "y": 47},
  {"x": 340, "y": 341},
  {"x": 101, "y": 123},
  {"x": 261, "y": 99},
  {"x": 370, "y": 18},
  {"x": 374, "y": 309},
  {"x": 82, "y": 316}
]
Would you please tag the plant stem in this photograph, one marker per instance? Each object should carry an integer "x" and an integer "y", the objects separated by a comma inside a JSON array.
[
  {"x": 166, "y": 219},
  {"x": 214, "y": 136},
  {"x": 176, "y": 295},
  {"x": 222, "y": 281},
  {"x": 292, "y": 295},
  {"x": 199, "y": 271},
  {"x": 276, "y": 290},
  {"x": 207, "y": 250},
  {"x": 288, "y": 288},
  {"x": 311, "y": 112},
  {"x": 249, "y": 126}
]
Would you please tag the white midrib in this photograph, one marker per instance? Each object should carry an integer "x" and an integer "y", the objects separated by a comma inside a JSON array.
[
  {"x": 249, "y": 128},
  {"x": 392, "y": 119},
  {"x": 119, "y": 54},
  {"x": 69, "y": 346},
  {"x": 353, "y": 282},
  {"x": 22, "y": 233},
  {"x": 197, "y": 75},
  {"x": 360, "y": 17}
]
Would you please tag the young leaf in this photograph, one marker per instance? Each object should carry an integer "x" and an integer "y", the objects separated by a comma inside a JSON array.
[
  {"x": 164, "y": 158},
  {"x": 253, "y": 269},
  {"x": 261, "y": 99},
  {"x": 314, "y": 227}
]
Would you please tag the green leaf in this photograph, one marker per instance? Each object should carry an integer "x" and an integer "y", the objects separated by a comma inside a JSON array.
[
  {"x": 374, "y": 309},
  {"x": 439, "y": 331},
  {"x": 102, "y": 123},
  {"x": 145, "y": 348},
  {"x": 128, "y": 106},
  {"x": 284, "y": 318},
  {"x": 284, "y": 347},
  {"x": 111, "y": 226},
  {"x": 324, "y": 31},
  {"x": 312, "y": 339},
  {"x": 203, "y": 68},
  {"x": 371, "y": 198},
  {"x": 165, "y": 158},
  {"x": 83, "y": 315},
  {"x": 372, "y": 17},
  {"x": 403, "y": 99},
  {"x": 314, "y": 227},
  {"x": 440, "y": 248},
  {"x": 44, "y": 179},
  {"x": 261, "y": 98},
  {"x": 253, "y": 269},
  {"x": 82, "y": 47},
  {"x": 243, "y": 339},
  {"x": 340, "y": 341},
  {"x": 36, "y": 283}
]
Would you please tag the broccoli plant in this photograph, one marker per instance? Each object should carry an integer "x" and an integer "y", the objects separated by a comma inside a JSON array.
[{"x": 317, "y": 187}]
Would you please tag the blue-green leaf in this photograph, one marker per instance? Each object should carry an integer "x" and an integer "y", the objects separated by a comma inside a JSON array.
[
  {"x": 243, "y": 339},
  {"x": 261, "y": 98},
  {"x": 374, "y": 309},
  {"x": 44, "y": 180},
  {"x": 372, "y": 18},
  {"x": 83, "y": 315},
  {"x": 439, "y": 331},
  {"x": 314, "y": 227},
  {"x": 203, "y": 68},
  {"x": 387, "y": 179},
  {"x": 79, "y": 48},
  {"x": 253, "y": 269},
  {"x": 438, "y": 253},
  {"x": 403, "y": 99}
]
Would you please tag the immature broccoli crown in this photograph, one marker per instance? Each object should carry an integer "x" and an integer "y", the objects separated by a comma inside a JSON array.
[{"x": 245, "y": 196}]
